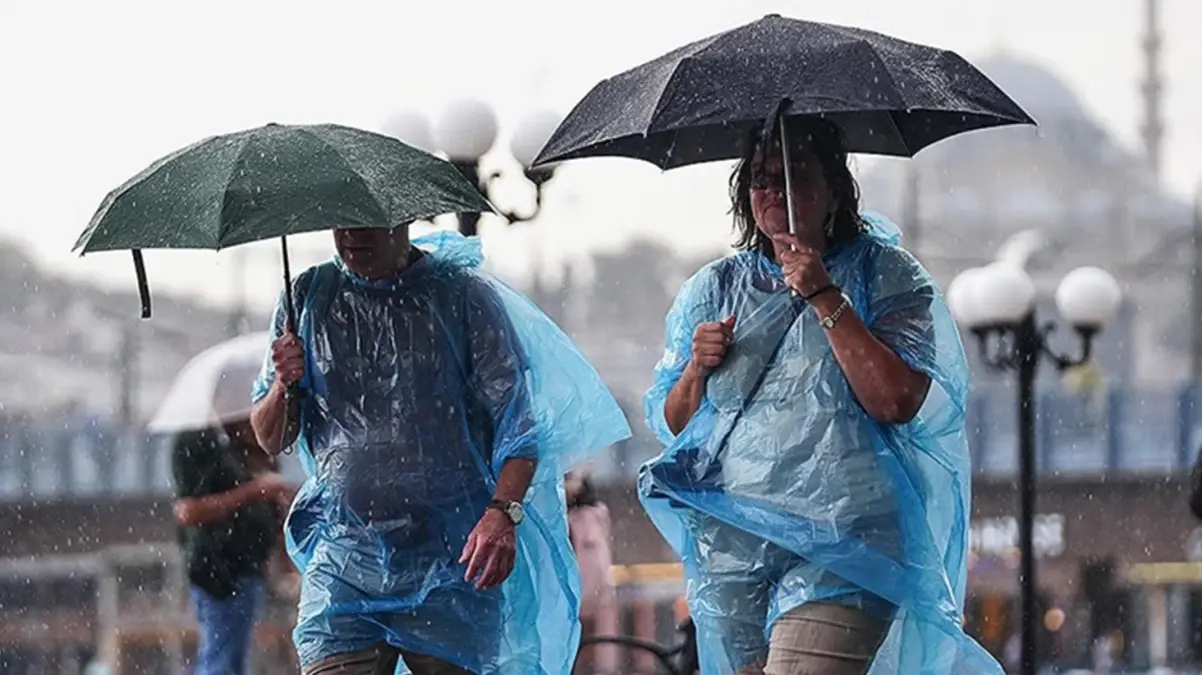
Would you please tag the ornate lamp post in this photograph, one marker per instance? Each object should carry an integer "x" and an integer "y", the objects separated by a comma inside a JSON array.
[
  {"x": 997, "y": 303},
  {"x": 465, "y": 132}
]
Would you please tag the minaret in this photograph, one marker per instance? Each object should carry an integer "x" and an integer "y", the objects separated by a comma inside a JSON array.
[{"x": 1152, "y": 88}]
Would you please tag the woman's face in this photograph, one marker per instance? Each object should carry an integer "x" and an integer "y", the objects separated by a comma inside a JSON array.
[{"x": 813, "y": 202}]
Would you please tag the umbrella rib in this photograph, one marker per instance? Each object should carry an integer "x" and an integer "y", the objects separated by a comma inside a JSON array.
[
  {"x": 674, "y": 81},
  {"x": 893, "y": 83},
  {"x": 366, "y": 183},
  {"x": 669, "y": 90},
  {"x": 325, "y": 199},
  {"x": 884, "y": 67},
  {"x": 81, "y": 244},
  {"x": 900, "y": 136},
  {"x": 225, "y": 193}
]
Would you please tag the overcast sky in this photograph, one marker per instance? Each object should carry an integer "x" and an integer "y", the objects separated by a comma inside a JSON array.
[{"x": 94, "y": 91}]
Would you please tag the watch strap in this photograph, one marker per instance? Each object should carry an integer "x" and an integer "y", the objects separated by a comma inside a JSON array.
[
  {"x": 504, "y": 507},
  {"x": 828, "y": 322}
]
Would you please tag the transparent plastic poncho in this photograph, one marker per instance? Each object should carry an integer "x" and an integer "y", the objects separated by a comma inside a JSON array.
[
  {"x": 781, "y": 490},
  {"x": 418, "y": 391}
]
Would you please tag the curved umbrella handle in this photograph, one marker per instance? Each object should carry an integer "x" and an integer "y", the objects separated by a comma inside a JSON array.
[{"x": 143, "y": 284}]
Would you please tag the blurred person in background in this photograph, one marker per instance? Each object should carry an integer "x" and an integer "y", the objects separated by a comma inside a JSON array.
[
  {"x": 589, "y": 529},
  {"x": 228, "y": 504},
  {"x": 1195, "y": 486}
]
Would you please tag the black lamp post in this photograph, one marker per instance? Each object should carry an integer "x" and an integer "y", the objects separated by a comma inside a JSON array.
[
  {"x": 997, "y": 303},
  {"x": 466, "y": 131}
]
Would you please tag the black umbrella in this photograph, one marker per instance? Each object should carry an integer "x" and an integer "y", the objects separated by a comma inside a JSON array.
[{"x": 702, "y": 101}]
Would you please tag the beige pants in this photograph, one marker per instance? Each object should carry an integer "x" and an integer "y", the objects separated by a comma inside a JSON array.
[
  {"x": 822, "y": 639},
  {"x": 381, "y": 660}
]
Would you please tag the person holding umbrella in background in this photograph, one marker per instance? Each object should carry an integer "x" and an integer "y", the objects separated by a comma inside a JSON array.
[{"x": 229, "y": 502}]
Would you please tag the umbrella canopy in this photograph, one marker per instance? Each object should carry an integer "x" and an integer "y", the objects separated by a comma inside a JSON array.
[
  {"x": 214, "y": 387},
  {"x": 275, "y": 181},
  {"x": 701, "y": 102}
]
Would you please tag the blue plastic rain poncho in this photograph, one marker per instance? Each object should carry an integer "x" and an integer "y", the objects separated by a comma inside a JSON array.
[
  {"x": 782, "y": 490},
  {"x": 419, "y": 389}
]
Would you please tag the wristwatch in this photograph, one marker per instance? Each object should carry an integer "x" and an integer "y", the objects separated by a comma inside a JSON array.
[
  {"x": 828, "y": 321},
  {"x": 512, "y": 510}
]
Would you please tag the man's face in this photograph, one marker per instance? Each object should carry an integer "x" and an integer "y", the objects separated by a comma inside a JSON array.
[{"x": 374, "y": 252}]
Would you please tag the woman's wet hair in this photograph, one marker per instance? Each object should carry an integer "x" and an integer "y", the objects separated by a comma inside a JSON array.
[{"x": 825, "y": 141}]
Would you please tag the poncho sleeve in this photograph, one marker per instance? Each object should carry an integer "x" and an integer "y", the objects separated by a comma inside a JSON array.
[
  {"x": 546, "y": 400},
  {"x": 500, "y": 376},
  {"x": 698, "y": 302},
  {"x": 907, "y": 312}
]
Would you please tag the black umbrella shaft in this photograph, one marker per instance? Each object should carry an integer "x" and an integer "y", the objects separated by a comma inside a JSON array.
[
  {"x": 787, "y": 168},
  {"x": 294, "y": 393},
  {"x": 289, "y": 308}
]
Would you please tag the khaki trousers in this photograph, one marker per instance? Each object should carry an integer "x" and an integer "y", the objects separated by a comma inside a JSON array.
[{"x": 822, "y": 639}]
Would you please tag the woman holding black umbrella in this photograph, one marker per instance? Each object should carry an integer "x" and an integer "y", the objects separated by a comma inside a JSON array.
[
  {"x": 815, "y": 478},
  {"x": 796, "y": 445}
]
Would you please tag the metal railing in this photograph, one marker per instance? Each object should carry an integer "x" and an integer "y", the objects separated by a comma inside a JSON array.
[
  {"x": 1121, "y": 430},
  {"x": 676, "y": 659},
  {"x": 126, "y": 606}
]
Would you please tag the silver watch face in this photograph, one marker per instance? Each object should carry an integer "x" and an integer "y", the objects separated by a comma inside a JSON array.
[{"x": 515, "y": 512}]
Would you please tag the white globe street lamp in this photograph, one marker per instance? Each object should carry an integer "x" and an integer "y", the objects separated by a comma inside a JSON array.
[
  {"x": 962, "y": 300},
  {"x": 1088, "y": 297},
  {"x": 997, "y": 303},
  {"x": 411, "y": 128},
  {"x": 465, "y": 131},
  {"x": 532, "y": 134},
  {"x": 1004, "y": 294}
]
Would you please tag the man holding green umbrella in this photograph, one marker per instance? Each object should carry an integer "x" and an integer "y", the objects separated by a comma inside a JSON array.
[
  {"x": 431, "y": 430},
  {"x": 435, "y": 410}
]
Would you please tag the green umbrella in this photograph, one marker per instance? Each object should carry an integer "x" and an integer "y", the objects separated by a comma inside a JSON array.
[{"x": 270, "y": 182}]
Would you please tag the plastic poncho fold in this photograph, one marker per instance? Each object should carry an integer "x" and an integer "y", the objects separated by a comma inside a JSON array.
[
  {"x": 781, "y": 490},
  {"x": 418, "y": 391}
]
